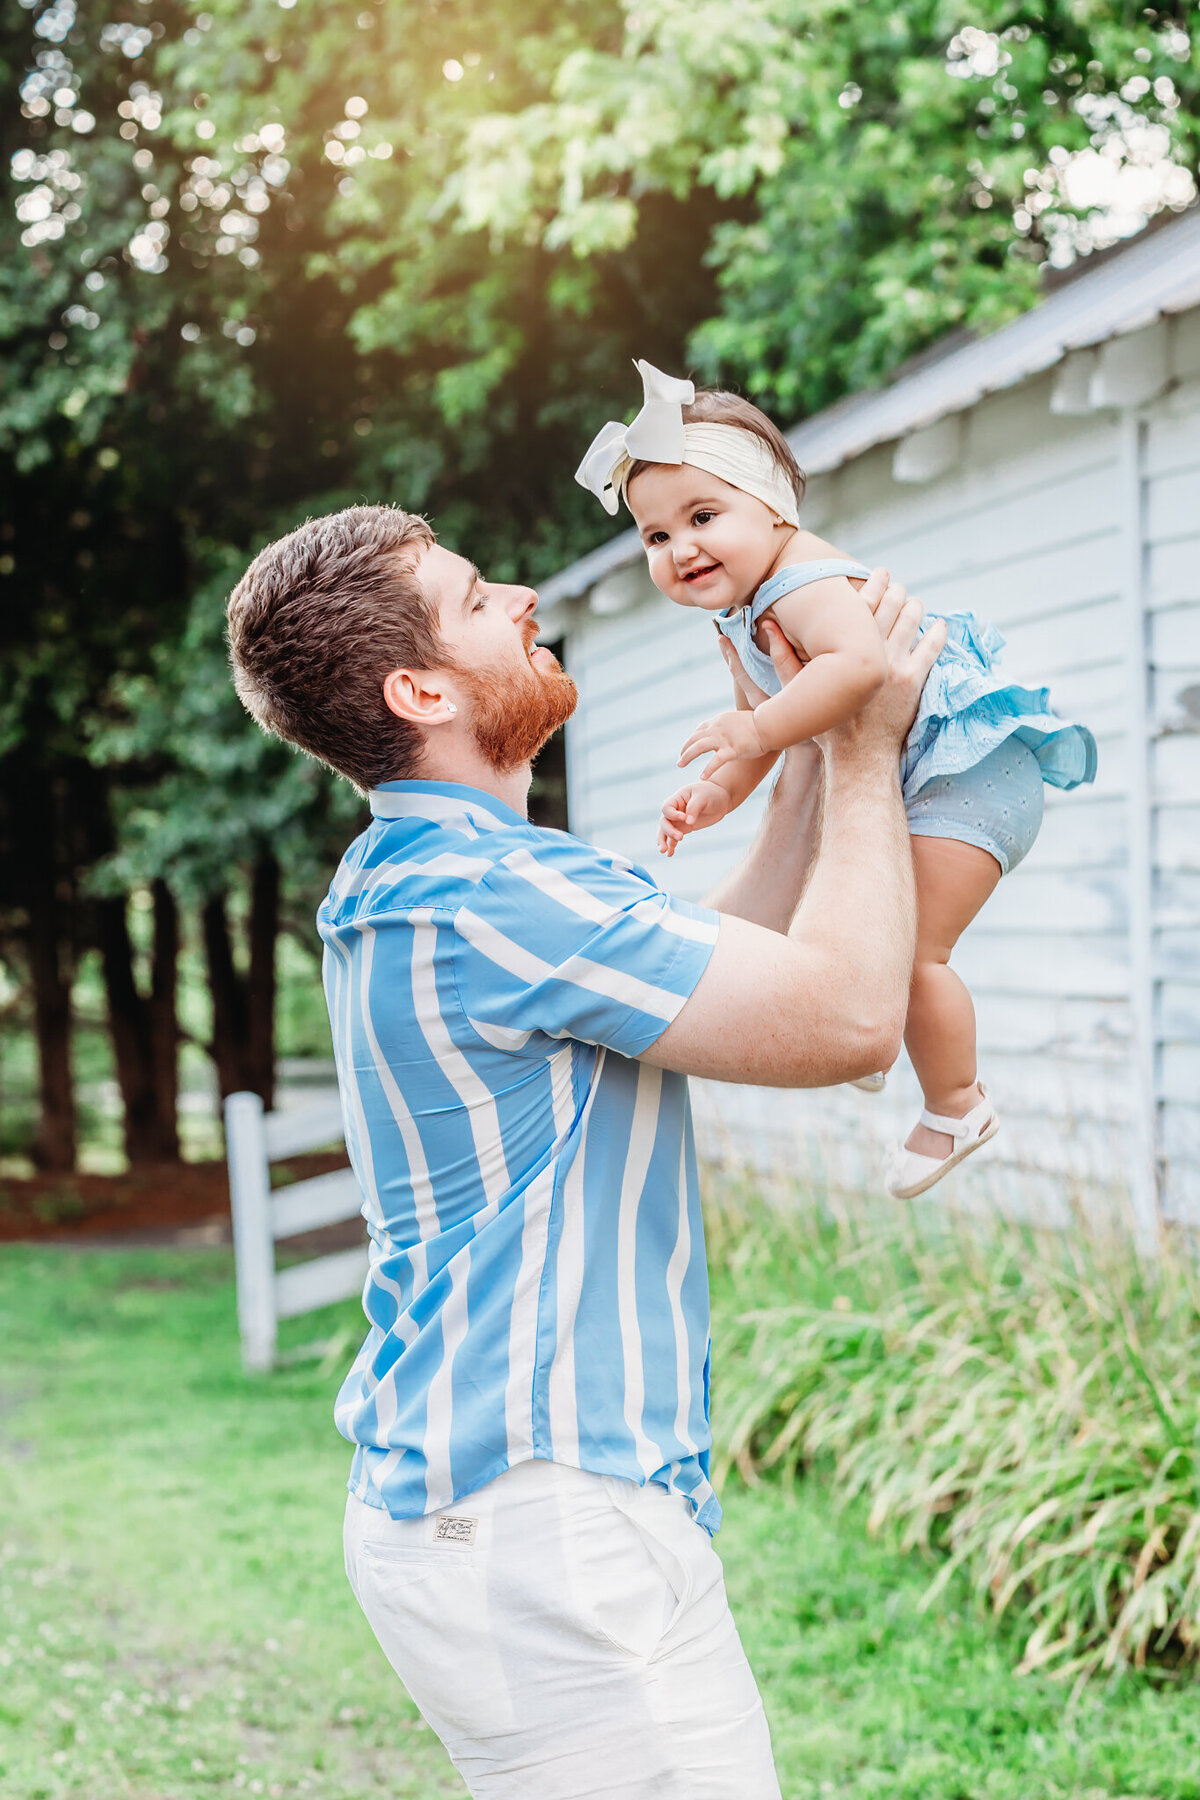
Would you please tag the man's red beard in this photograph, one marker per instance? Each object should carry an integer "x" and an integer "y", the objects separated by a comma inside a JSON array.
[{"x": 514, "y": 711}]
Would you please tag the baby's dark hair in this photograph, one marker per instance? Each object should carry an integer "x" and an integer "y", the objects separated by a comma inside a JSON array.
[{"x": 712, "y": 406}]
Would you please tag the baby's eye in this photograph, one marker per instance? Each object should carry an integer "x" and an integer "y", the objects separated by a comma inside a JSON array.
[
  {"x": 702, "y": 518},
  {"x": 656, "y": 537}
]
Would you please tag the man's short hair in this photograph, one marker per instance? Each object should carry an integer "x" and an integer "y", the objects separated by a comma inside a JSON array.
[{"x": 318, "y": 621}]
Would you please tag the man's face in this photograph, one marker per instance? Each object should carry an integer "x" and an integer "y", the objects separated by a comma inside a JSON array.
[
  {"x": 708, "y": 544},
  {"x": 516, "y": 691}
]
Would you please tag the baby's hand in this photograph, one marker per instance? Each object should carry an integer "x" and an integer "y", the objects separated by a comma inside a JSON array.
[
  {"x": 698, "y": 804},
  {"x": 729, "y": 736}
]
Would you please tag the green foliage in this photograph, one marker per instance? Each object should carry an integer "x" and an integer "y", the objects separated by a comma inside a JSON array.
[
  {"x": 204, "y": 792},
  {"x": 873, "y": 1694},
  {"x": 228, "y": 299},
  {"x": 242, "y": 219},
  {"x": 1023, "y": 1407},
  {"x": 900, "y": 171},
  {"x": 376, "y": 248}
]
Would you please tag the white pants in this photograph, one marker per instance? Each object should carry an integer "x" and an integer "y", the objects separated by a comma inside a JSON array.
[{"x": 567, "y": 1636}]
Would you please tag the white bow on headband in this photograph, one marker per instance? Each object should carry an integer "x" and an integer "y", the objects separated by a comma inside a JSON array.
[
  {"x": 656, "y": 435},
  {"x": 659, "y": 435}
]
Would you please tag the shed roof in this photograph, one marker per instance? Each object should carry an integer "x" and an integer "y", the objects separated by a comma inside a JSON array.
[{"x": 1156, "y": 274}]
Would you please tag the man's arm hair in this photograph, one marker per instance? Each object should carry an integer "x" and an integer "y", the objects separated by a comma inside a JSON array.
[{"x": 765, "y": 887}]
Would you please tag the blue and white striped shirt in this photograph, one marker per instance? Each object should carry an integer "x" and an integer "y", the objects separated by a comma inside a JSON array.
[{"x": 537, "y": 1284}]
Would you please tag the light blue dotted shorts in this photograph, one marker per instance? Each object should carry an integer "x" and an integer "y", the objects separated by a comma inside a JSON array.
[{"x": 997, "y": 804}]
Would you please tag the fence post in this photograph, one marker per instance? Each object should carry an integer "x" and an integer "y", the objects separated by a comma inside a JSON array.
[{"x": 254, "y": 1242}]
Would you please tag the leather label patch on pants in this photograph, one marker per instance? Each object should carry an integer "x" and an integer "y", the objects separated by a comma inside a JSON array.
[{"x": 453, "y": 1529}]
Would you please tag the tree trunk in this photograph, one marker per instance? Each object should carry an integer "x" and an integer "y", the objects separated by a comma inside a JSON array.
[
  {"x": 227, "y": 993},
  {"x": 144, "y": 1032},
  {"x": 243, "y": 1040},
  {"x": 126, "y": 1025},
  {"x": 264, "y": 935},
  {"x": 164, "y": 1023},
  {"x": 54, "y": 1146}
]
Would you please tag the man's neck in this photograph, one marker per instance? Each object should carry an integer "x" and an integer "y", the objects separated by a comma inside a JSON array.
[{"x": 475, "y": 771}]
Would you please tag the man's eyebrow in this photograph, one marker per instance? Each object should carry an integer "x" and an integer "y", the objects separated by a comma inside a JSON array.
[{"x": 476, "y": 578}]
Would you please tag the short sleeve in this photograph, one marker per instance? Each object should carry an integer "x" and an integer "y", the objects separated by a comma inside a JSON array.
[{"x": 570, "y": 941}]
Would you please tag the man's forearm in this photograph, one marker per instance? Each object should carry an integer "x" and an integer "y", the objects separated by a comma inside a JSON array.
[
  {"x": 767, "y": 884},
  {"x": 860, "y": 904}
]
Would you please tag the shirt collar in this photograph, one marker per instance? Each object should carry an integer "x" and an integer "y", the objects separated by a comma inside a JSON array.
[{"x": 442, "y": 801}]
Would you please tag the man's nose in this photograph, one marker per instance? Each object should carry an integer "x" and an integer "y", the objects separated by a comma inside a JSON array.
[{"x": 519, "y": 602}]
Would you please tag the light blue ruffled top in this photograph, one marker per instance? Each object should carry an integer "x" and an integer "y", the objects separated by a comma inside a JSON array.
[{"x": 967, "y": 708}]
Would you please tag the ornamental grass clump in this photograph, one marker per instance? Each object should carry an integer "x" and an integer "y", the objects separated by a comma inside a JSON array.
[{"x": 1022, "y": 1407}]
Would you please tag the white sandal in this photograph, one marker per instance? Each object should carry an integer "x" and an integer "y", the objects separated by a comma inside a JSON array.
[
  {"x": 910, "y": 1174},
  {"x": 869, "y": 1084}
]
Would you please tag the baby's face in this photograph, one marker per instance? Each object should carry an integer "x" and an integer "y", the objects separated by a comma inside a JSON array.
[{"x": 708, "y": 544}]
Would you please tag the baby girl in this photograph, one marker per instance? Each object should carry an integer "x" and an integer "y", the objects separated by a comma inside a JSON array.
[{"x": 715, "y": 490}]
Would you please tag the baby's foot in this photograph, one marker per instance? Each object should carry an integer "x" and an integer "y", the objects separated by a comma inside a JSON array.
[
  {"x": 870, "y": 1084},
  {"x": 939, "y": 1143},
  {"x": 931, "y": 1153}
]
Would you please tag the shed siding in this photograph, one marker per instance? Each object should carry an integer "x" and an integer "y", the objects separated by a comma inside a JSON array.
[
  {"x": 1171, "y": 474},
  {"x": 1030, "y": 529}
]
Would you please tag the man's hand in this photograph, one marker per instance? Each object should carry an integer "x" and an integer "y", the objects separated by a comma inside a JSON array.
[
  {"x": 782, "y": 655},
  {"x": 886, "y": 720},
  {"x": 730, "y": 736},
  {"x": 694, "y": 806}
]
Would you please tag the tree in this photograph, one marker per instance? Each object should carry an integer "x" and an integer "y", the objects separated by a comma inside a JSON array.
[
  {"x": 94, "y": 558},
  {"x": 201, "y": 224},
  {"x": 225, "y": 818},
  {"x": 144, "y": 1027},
  {"x": 909, "y": 168}
]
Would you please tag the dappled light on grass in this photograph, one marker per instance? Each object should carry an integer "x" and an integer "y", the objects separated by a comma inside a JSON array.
[{"x": 1022, "y": 1406}]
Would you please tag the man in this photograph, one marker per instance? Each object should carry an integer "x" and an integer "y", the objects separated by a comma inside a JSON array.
[{"x": 514, "y": 1015}]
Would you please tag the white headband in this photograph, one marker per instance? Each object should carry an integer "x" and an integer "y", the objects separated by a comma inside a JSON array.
[{"x": 659, "y": 435}]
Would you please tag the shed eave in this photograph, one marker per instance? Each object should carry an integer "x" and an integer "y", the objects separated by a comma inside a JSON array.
[{"x": 1018, "y": 352}]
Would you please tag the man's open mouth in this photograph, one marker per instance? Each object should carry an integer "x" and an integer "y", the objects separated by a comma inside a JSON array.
[{"x": 699, "y": 574}]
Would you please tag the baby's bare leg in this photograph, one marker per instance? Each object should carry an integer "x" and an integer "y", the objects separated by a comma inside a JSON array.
[{"x": 953, "y": 881}]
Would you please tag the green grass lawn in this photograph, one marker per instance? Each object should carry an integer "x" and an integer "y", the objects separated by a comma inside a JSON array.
[{"x": 174, "y": 1621}]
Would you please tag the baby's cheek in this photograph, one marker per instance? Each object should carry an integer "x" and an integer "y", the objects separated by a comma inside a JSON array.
[{"x": 662, "y": 574}]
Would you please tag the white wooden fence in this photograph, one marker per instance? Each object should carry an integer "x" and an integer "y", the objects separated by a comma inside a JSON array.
[{"x": 254, "y": 1140}]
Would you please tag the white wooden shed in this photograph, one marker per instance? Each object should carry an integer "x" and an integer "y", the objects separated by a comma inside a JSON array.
[{"x": 1047, "y": 476}]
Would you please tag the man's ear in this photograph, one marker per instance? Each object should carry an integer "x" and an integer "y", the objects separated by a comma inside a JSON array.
[{"x": 420, "y": 696}]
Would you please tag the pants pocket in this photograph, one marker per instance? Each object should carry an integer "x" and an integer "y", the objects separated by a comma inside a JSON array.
[
  {"x": 428, "y": 1611},
  {"x": 639, "y": 1583},
  {"x": 674, "y": 1543},
  {"x": 392, "y": 1568}
]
